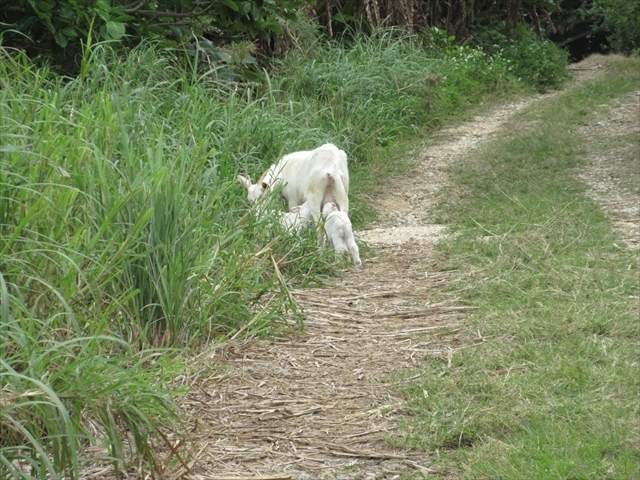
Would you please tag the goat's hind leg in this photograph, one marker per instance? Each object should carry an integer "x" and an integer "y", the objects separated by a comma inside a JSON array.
[{"x": 355, "y": 252}]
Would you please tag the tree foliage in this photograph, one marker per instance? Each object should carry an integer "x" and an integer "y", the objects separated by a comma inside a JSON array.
[
  {"x": 622, "y": 19},
  {"x": 584, "y": 26},
  {"x": 457, "y": 17},
  {"x": 60, "y": 26},
  {"x": 67, "y": 22},
  {"x": 608, "y": 24}
]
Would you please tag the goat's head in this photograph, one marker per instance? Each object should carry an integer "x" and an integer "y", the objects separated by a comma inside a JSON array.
[
  {"x": 329, "y": 207},
  {"x": 254, "y": 191}
]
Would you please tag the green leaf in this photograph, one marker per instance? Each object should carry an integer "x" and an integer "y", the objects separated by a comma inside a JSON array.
[
  {"x": 251, "y": 76},
  {"x": 66, "y": 13},
  {"x": 178, "y": 30},
  {"x": 273, "y": 26},
  {"x": 50, "y": 27},
  {"x": 61, "y": 39},
  {"x": 342, "y": 18},
  {"x": 167, "y": 43},
  {"x": 46, "y": 6},
  {"x": 123, "y": 18},
  {"x": 115, "y": 30},
  {"x": 249, "y": 59},
  {"x": 245, "y": 8},
  {"x": 154, "y": 29},
  {"x": 231, "y": 4},
  {"x": 221, "y": 56},
  {"x": 102, "y": 9},
  {"x": 69, "y": 32}
]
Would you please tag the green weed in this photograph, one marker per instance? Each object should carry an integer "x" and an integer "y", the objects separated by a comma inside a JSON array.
[{"x": 535, "y": 62}]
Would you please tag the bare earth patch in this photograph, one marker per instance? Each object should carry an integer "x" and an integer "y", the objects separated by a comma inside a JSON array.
[
  {"x": 404, "y": 206},
  {"x": 613, "y": 170},
  {"x": 322, "y": 404}
]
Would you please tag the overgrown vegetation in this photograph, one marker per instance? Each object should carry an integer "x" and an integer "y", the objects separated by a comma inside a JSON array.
[
  {"x": 538, "y": 62},
  {"x": 55, "y": 30},
  {"x": 620, "y": 19},
  {"x": 123, "y": 230},
  {"x": 550, "y": 388},
  {"x": 71, "y": 21}
]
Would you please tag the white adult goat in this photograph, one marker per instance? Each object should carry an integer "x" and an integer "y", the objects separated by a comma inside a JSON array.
[{"x": 316, "y": 177}]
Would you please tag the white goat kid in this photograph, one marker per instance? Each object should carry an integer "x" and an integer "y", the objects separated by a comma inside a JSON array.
[
  {"x": 340, "y": 232},
  {"x": 297, "y": 219},
  {"x": 316, "y": 177}
]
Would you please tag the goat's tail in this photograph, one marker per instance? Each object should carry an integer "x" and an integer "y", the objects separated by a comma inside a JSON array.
[
  {"x": 329, "y": 194},
  {"x": 340, "y": 192}
]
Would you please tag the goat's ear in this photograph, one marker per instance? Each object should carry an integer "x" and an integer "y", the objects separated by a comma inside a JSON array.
[{"x": 245, "y": 181}]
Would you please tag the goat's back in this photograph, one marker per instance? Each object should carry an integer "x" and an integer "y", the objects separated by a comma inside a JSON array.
[
  {"x": 307, "y": 173},
  {"x": 311, "y": 164},
  {"x": 338, "y": 221}
]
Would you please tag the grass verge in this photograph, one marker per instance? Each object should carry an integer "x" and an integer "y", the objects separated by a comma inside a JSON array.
[{"x": 550, "y": 388}]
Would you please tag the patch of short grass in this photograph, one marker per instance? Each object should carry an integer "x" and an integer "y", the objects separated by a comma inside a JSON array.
[{"x": 548, "y": 387}]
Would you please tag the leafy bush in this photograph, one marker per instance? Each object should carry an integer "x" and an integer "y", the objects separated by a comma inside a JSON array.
[
  {"x": 57, "y": 30},
  {"x": 620, "y": 17},
  {"x": 70, "y": 21},
  {"x": 536, "y": 62},
  {"x": 469, "y": 67}
]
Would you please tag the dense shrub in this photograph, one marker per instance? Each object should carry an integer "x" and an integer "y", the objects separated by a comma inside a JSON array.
[
  {"x": 620, "y": 18},
  {"x": 71, "y": 21},
  {"x": 536, "y": 62}
]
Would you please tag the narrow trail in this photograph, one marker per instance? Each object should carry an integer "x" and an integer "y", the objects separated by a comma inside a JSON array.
[
  {"x": 319, "y": 405},
  {"x": 613, "y": 182},
  {"x": 322, "y": 404}
]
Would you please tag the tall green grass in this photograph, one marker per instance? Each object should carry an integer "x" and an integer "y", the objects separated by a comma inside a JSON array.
[
  {"x": 550, "y": 388},
  {"x": 123, "y": 229},
  {"x": 120, "y": 230}
]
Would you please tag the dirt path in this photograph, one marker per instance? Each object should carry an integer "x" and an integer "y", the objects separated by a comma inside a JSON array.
[
  {"x": 320, "y": 405},
  {"x": 614, "y": 180}
]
